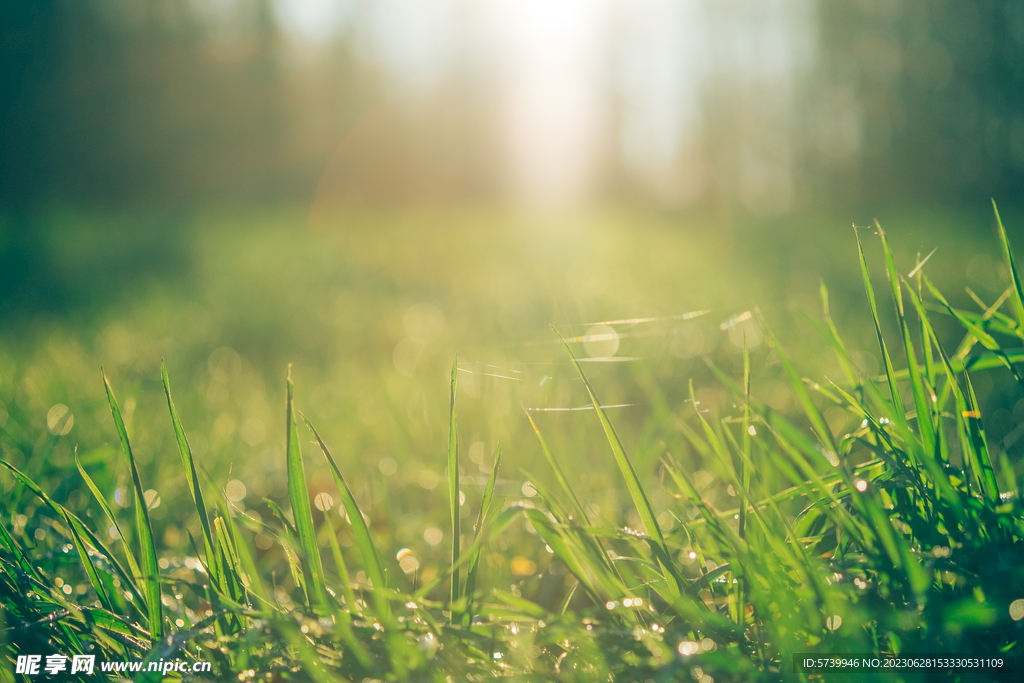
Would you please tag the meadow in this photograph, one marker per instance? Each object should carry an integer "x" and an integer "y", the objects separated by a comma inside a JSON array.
[{"x": 443, "y": 445}]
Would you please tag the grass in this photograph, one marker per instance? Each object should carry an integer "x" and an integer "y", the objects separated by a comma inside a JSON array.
[{"x": 863, "y": 512}]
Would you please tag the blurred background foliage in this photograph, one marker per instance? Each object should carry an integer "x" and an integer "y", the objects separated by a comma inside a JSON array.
[
  {"x": 770, "y": 105},
  {"x": 364, "y": 189}
]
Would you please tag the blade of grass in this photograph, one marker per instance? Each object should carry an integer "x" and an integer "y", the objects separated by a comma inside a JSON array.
[
  {"x": 482, "y": 518},
  {"x": 981, "y": 462},
  {"x": 563, "y": 482},
  {"x": 836, "y": 341},
  {"x": 454, "y": 495},
  {"x": 298, "y": 493},
  {"x": 248, "y": 576},
  {"x": 796, "y": 382},
  {"x": 345, "y": 616},
  {"x": 144, "y": 530},
  {"x": 364, "y": 540},
  {"x": 128, "y": 580},
  {"x": 185, "y": 451},
  {"x": 340, "y": 566},
  {"x": 636, "y": 491},
  {"x": 129, "y": 555},
  {"x": 924, "y": 411},
  {"x": 890, "y": 373},
  {"x": 289, "y": 543},
  {"x": 90, "y": 568},
  {"x": 1018, "y": 299}
]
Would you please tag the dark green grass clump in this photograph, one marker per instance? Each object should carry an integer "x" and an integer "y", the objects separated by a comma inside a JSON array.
[{"x": 905, "y": 535}]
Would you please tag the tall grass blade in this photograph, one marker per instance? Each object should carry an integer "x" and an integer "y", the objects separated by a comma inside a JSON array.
[
  {"x": 1018, "y": 299},
  {"x": 128, "y": 579},
  {"x": 559, "y": 475},
  {"x": 289, "y": 543},
  {"x": 890, "y": 373},
  {"x": 482, "y": 519},
  {"x": 24, "y": 563},
  {"x": 144, "y": 530},
  {"x": 248, "y": 576},
  {"x": 345, "y": 615},
  {"x": 921, "y": 402},
  {"x": 101, "y": 499},
  {"x": 814, "y": 416},
  {"x": 364, "y": 540},
  {"x": 980, "y": 462},
  {"x": 341, "y": 567},
  {"x": 986, "y": 340},
  {"x": 636, "y": 491},
  {"x": 454, "y": 495},
  {"x": 90, "y": 568},
  {"x": 302, "y": 511},
  {"x": 185, "y": 451}
]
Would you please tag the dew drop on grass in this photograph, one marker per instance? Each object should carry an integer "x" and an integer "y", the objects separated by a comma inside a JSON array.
[
  {"x": 834, "y": 622},
  {"x": 1017, "y": 609}
]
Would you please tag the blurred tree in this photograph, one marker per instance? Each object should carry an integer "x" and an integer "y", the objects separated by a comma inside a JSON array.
[
  {"x": 113, "y": 102},
  {"x": 918, "y": 99}
]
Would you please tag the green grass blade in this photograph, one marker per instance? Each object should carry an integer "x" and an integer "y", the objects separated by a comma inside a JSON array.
[
  {"x": 301, "y": 510},
  {"x": 90, "y": 568},
  {"x": 834, "y": 339},
  {"x": 559, "y": 475},
  {"x": 453, "y": 485},
  {"x": 289, "y": 542},
  {"x": 636, "y": 491},
  {"x": 364, "y": 540},
  {"x": 481, "y": 521},
  {"x": 24, "y": 563},
  {"x": 229, "y": 560},
  {"x": 341, "y": 567},
  {"x": 981, "y": 462},
  {"x": 248, "y": 575},
  {"x": 185, "y": 451},
  {"x": 144, "y": 530},
  {"x": 921, "y": 403},
  {"x": 1018, "y": 299},
  {"x": 128, "y": 579},
  {"x": 129, "y": 555},
  {"x": 974, "y": 328},
  {"x": 796, "y": 382},
  {"x": 890, "y": 373},
  {"x": 345, "y": 616}
]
